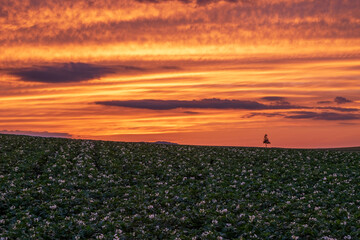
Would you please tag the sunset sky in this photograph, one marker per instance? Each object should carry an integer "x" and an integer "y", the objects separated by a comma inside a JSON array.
[{"x": 204, "y": 72}]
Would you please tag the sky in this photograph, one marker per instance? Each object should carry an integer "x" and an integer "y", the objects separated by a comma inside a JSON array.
[{"x": 203, "y": 72}]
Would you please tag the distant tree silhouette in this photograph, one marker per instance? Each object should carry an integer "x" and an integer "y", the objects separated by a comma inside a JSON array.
[{"x": 266, "y": 140}]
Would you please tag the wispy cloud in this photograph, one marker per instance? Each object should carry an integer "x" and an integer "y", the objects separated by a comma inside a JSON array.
[
  {"x": 261, "y": 20},
  {"x": 340, "y": 109},
  {"x": 329, "y": 116}
]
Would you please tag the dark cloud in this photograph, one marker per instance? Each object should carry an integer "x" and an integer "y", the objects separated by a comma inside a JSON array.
[
  {"x": 205, "y": 2},
  {"x": 191, "y": 112},
  {"x": 171, "y": 67},
  {"x": 122, "y": 68},
  {"x": 330, "y": 116},
  {"x": 263, "y": 114},
  {"x": 37, "y": 134},
  {"x": 165, "y": 142},
  {"x": 323, "y": 116},
  {"x": 276, "y": 100},
  {"x": 340, "y": 109},
  {"x": 213, "y": 103},
  {"x": 149, "y": 1},
  {"x": 64, "y": 73},
  {"x": 199, "y": 2},
  {"x": 341, "y": 100},
  {"x": 273, "y": 98},
  {"x": 324, "y": 102}
]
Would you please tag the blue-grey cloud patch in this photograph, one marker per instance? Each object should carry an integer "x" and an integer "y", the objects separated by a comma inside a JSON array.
[
  {"x": 37, "y": 134},
  {"x": 213, "y": 103},
  {"x": 341, "y": 100},
  {"x": 64, "y": 73},
  {"x": 329, "y": 116}
]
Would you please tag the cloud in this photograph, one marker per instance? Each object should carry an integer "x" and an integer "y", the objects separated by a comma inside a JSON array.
[
  {"x": 205, "y": 2},
  {"x": 199, "y": 2},
  {"x": 340, "y": 109},
  {"x": 165, "y": 142},
  {"x": 191, "y": 112},
  {"x": 341, "y": 100},
  {"x": 273, "y": 98},
  {"x": 213, "y": 103},
  {"x": 37, "y": 134},
  {"x": 323, "y": 116},
  {"x": 149, "y": 21},
  {"x": 276, "y": 100},
  {"x": 330, "y": 116},
  {"x": 264, "y": 114},
  {"x": 324, "y": 102},
  {"x": 125, "y": 68},
  {"x": 171, "y": 67},
  {"x": 64, "y": 73}
]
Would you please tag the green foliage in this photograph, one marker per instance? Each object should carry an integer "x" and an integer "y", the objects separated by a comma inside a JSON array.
[{"x": 75, "y": 189}]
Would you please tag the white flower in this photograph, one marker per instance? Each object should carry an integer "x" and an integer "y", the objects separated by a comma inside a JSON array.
[
  {"x": 223, "y": 211},
  {"x": 100, "y": 236}
]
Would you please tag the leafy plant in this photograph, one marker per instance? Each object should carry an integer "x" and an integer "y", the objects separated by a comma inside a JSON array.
[{"x": 78, "y": 189}]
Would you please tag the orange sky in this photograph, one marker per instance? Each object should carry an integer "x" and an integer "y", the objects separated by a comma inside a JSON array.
[{"x": 186, "y": 71}]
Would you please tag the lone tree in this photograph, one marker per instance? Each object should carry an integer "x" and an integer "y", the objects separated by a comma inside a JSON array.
[{"x": 266, "y": 140}]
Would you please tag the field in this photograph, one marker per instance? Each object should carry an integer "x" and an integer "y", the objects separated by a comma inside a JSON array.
[{"x": 77, "y": 189}]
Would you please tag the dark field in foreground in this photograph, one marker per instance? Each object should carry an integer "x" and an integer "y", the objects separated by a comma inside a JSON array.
[{"x": 76, "y": 189}]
